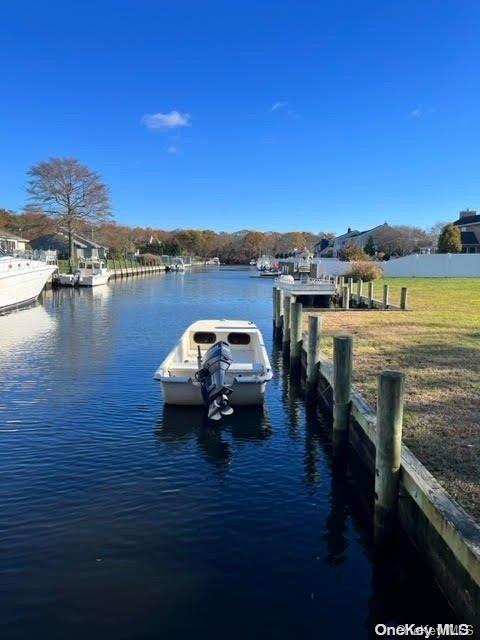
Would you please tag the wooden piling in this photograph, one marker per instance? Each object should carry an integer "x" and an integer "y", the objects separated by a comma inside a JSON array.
[
  {"x": 341, "y": 282},
  {"x": 359, "y": 290},
  {"x": 403, "y": 298},
  {"x": 386, "y": 294},
  {"x": 313, "y": 351},
  {"x": 275, "y": 292},
  {"x": 281, "y": 310},
  {"x": 295, "y": 333},
  {"x": 342, "y": 385},
  {"x": 391, "y": 389},
  {"x": 350, "y": 284},
  {"x": 286, "y": 321},
  {"x": 370, "y": 294},
  {"x": 345, "y": 297}
]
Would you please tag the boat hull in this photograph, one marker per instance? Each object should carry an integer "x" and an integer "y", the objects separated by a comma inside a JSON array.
[
  {"x": 18, "y": 289},
  {"x": 187, "y": 392},
  {"x": 93, "y": 281}
]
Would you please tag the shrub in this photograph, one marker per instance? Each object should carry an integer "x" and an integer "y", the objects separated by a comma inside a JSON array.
[
  {"x": 365, "y": 271},
  {"x": 149, "y": 259},
  {"x": 352, "y": 253}
]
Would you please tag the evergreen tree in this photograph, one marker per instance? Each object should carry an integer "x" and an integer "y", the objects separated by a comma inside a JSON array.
[
  {"x": 449, "y": 240},
  {"x": 369, "y": 247}
]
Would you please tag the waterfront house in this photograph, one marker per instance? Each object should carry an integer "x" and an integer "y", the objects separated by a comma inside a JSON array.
[
  {"x": 469, "y": 224},
  {"x": 10, "y": 242},
  {"x": 331, "y": 248},
  {"x": 83, "y": 247}
]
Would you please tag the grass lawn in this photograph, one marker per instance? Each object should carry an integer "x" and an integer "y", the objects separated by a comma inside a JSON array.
[
  {"x": 437, "y": 345},
  {"x": 111, "y": 264}
]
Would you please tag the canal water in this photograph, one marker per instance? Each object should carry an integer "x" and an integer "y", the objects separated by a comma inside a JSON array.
[{"x": 122, "y": 518}]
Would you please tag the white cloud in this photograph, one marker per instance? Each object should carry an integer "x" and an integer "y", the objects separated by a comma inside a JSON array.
[
  {"x": 173, "y": 149},
  {"x": 278, "y": 105},
  {"x": 171, "y": 120}
]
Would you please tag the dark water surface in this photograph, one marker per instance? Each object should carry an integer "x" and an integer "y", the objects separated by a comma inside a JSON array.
[{"x": 120, "y": 518}]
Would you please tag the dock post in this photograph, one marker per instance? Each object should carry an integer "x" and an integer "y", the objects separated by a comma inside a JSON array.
[
  {"x": 386, "y": 290},
  {"x": 403, "y": 298},
  {"x": 345, "y": 297},
  {"x": 350, "y": 284},
  {"x": 370, "y": 294},
  {"x": 359, "y": 290},
  {"x": 281, "y": 311},
  {"x": 391, "y": 389},
  {"x": 295, "y": 333},
  {"x": 275, "y": 311},
  {"x": 341, "y": 282},
  {"x": 342, "y": 385},
  {"x": 314, "y": 351},
  {"x": 286, "y": 322}
]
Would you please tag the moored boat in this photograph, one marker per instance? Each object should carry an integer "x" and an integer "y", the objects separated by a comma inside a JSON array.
[
  {"x": 68, "y": 279},
  {"x": 21, "y": 280},
  {"x": 216, "y": 363},
  {"x": 92, "y": 273}
]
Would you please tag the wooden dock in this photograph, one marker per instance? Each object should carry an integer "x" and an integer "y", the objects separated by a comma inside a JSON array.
[
  {"x": 338, "y": 292},
  {"x": 406, "y": 493}
]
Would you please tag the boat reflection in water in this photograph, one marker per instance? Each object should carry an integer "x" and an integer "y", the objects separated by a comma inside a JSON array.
[
  {"x": 179, "y": 425},
  {"x": 22, "y": 333}
]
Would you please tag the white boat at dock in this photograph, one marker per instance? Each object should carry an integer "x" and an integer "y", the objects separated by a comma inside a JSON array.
[
  {"x": 216, "y": 363},
  {"x": 92, "y": 273},
  {"x": 269, "y": 273},
  {"x": 22, "y": 279}
]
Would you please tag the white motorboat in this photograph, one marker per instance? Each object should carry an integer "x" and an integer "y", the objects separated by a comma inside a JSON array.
[
  {"x": 68, "y": 279},
  {"x": 92, "y": 273},
  {"x": 21, "y": 280},
  {"x": 270, "y": 273},
  {"x": 216, "y": 363},
  {"x": 264, "y": 262},
  {"x": 213, "y": 262}
]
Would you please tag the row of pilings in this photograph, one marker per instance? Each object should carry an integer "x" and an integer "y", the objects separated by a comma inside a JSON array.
[{"x": 288, "y": 327}]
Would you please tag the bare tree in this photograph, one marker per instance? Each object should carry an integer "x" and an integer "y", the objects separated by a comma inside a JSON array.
[
  {"x": 70, "y": 192},
  {"x": 401, "y": 240}
]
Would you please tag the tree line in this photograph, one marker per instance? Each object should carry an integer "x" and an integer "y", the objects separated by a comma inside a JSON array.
[{"x": 65, "y": 195}]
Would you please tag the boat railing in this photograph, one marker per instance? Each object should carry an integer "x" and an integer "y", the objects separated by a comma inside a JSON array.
[{"x": 49, "y": 256}]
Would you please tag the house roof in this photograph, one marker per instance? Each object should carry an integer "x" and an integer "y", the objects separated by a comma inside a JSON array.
[
  {"x": 468, "y": 237},
  {"x": 361, "y": 233},
  {"x": 81, "y": 241},
  {"x": 467, "y": 220},
  {"x": 6, "y": 235},
  {"x": 355, "y": 233}
]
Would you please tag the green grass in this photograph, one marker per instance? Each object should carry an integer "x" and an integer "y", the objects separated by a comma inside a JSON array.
[
  {"x": 437, "y": 345},
  {"x": 63, "y": 264}
]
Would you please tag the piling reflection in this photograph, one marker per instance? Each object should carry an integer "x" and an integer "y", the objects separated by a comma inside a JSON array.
[{"x": 180, "y": 425}]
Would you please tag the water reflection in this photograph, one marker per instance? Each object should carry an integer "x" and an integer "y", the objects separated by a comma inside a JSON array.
[
  {"x": 180, "y": 425},
  {"x": 21, "y": 332}
]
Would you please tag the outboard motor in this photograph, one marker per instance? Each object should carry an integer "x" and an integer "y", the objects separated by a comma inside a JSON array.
[{"x": 211, "y": 375}]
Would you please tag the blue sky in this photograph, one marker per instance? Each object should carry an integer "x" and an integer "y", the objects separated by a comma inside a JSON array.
[{"x": 267, "y": 115}]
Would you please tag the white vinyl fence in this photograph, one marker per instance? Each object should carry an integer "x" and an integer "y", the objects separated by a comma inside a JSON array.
[
  {"x": 332, "y": 266},
  {"x": 436, "y": 265}
]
